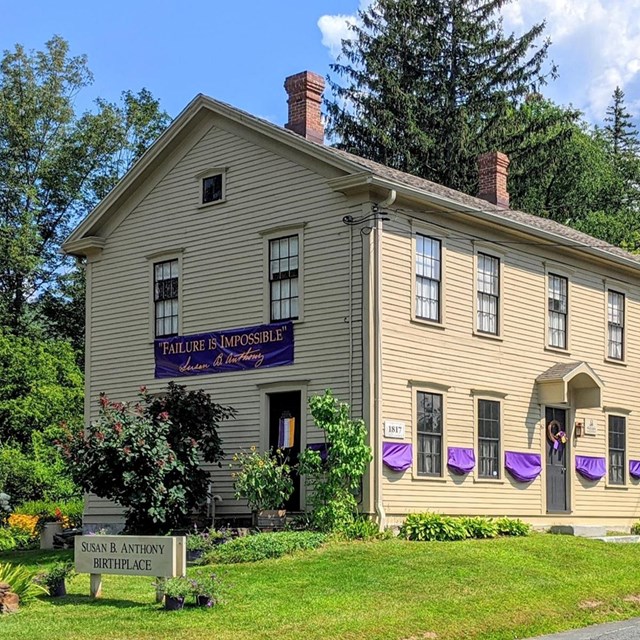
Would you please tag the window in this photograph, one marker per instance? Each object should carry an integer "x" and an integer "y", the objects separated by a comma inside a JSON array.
[
  {"x": 283, "y": 277},
  {"x": 429, "y": 429},
  {"x": 616, "y": 325},
  {"x": 489, "y": 438},
  {"x": 558, "y": 305},
  {"x": 488, "y": 293},
  {"x": 428, "y": 277},
  {"x": 617, "y": 429},
  {"x": 212, "y": 188},
  {"x": 165, "y": 286}
]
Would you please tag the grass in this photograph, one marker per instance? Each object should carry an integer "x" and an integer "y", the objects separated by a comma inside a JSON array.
[{"x": 392, "y": 590}]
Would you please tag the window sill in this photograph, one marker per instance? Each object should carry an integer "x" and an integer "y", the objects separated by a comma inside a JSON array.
[
  {"x": 428, "y": 323},
  {"x": 206, "y": 205},
  {"x": 489, "y": 481},
  {"x": 558, "y": 350},
  {"x": 488, "y": 336},
  {"x": 619, "y": 363},
  {"x": 616, "y": 487},
  {"x": 420, "y": 478}
]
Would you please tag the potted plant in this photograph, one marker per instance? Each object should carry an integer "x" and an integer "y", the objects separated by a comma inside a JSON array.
[
  {"x": 206, "y": 590},
  {"x": 54, "y": 579},
  {"x": 175, "y": 592},
  {"x": 199, "y": 542},
  {"x": 264, "y": 481}
]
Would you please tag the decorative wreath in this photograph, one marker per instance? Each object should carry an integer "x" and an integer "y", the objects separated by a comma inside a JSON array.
[{"x": 559, "y": 437}]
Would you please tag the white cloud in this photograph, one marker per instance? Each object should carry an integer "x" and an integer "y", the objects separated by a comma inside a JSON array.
[{"x": 596, "y": 44}]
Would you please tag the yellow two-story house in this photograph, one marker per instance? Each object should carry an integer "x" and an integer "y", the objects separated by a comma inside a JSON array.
[{"x": 493, "y": 355}]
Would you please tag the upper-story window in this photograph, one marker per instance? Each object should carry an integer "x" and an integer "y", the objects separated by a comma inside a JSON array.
[
  {"x": 212, "y": 188},
  {"x": 165, "y": 296},
  {"x": 488, "y": 292},
  {"x": 429, "y": 430},
  {"x": 558, "y": 305},
  {"x": 615, "y": 305},
  {"x": 284, "y": 264},
  {"x": 428, "y": 277}
]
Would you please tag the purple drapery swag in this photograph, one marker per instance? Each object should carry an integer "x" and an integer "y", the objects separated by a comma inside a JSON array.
[
  {"x": 524, "y": 467},
  {"x": 286, "y": 433},
  {"x": 634, "y": 468},
  {"x": 321, "y": 448},
  {"x": 461, "y": 460},
  {"x": 591, "y": 468},
  {"x": 258, "y": 347},
  {"x": 397, "y": 455}
]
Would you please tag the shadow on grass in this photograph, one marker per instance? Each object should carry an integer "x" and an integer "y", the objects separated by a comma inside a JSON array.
[
  {"x": 73, "y": 599},
  {"x": 33, "y": 558}
]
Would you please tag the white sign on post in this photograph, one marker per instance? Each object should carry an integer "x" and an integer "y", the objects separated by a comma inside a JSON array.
[
  {"x": 394, "y": 429},
  {"x": 156, "y": 556}
]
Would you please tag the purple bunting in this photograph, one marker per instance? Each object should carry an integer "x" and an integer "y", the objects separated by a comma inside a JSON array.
[
  {"x": 397, "y": 455},
  {"x": 634, "y": 468},
  {"x": 524, "y": 467},
  {"x": 590, "y": 467},
  {"x": 461, "y": 460}
]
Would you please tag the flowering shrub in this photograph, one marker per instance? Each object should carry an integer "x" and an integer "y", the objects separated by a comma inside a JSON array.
[
  {"x": 146, "y": 456},
  {"x": 335, "y": 481},
  {"x": 263, "y": 480},
  {"x": 28, "y": 524}
]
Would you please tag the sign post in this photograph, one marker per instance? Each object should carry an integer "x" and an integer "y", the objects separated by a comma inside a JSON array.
[{"x": 155, "y": 556}]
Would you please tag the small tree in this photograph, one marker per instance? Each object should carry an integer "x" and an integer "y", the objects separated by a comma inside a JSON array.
[
  {"x": 147, "y": 456},
  {"x": 335, "y": 478}
]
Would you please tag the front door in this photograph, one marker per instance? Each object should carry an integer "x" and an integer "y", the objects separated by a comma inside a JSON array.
[
  {"x": 557, "y": 493},
  {"x": 285, "y": 406}
]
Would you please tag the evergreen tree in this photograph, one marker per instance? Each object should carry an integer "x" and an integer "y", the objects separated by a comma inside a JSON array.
[
  {"x": 620, "y": 130},
  {"x": 426, "y": 85}
]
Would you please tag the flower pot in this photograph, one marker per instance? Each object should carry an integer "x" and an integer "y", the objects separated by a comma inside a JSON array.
[
  {"x": 194, "y": 554},
  {"x": 46, "y": 537},
  {"x": 271, "y": 518},
  {"x": 203, "y": 601},
  {"x": 173, "y": 604},
  {"x": 58, "y": 590}
]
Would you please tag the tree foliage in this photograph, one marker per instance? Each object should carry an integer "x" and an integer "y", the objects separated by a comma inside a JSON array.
[
  {"x": 147, "y": 456},
  {"x": 55, "y": 164},
  {"x": 426, "y": 85}
]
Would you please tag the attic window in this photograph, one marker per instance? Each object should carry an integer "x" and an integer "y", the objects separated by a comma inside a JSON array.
[{"x": 212, "y": 188}]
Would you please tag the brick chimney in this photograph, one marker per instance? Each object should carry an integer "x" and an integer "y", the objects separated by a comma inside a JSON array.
[
  {"x": 493, "y": 169},
  {"x": 305, "y": 99}
]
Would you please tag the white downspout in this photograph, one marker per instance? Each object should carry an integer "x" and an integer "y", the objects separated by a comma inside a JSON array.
[{"x": 379, "y": 506}]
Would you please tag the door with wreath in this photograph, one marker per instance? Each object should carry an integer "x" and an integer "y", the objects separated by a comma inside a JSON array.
[{"x": 557, "y": 444}]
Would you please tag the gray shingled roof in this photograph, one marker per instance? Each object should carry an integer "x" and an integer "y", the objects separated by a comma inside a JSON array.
[
  {"x": 558, "y": 371},
  {"x": 536, "y": 222}
]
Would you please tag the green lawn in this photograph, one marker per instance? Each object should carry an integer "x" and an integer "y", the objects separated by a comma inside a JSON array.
[{"x": 502, "y": 588}]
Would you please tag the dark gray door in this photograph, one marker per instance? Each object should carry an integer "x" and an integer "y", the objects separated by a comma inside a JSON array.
[{"x": 557, "y": 495}]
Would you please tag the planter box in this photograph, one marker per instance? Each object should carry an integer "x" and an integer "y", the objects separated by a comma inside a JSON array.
[
  {"x": 46, "y": 537},
  {"x": 271, "y": 519}
]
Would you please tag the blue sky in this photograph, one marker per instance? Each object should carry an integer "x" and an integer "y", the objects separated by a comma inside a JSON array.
[{"x": 240, "y": 52}]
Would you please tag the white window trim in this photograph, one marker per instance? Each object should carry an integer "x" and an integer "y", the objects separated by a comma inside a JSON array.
[
  {"x": 493, "y": 396},
  {"x": 480, "y": 247},
  {"x": 419, "y": 228},
  {"x": 613, "y": 287},
  {"x": 208, "y": 173},
  {"x": 267, "y": 236},
  {"x": 622, "y": 413},
  {"x": 152, "y": 260},
  {"x": 417, "y": 386},
  {"x": 557, "y": 270}
]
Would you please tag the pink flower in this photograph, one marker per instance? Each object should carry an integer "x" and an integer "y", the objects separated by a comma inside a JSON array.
[
  {"x": 117, "y": 427},
  {"x": 164, "y": 416},
  {"x": 99, "y": 436},
  {"x": 104, "y": 401},
  {"x": 127, "y": 450}
]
